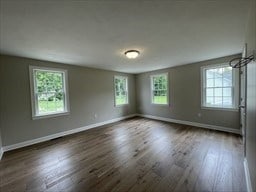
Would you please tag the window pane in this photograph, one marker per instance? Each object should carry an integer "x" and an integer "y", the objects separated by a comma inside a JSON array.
[
  {"x": 42, "y": 102},
  {"x": 156, "y": 86},
  {"x": 209, "y": 82},
  {"x": 227, "y": 92},
  {"x": 209, "y": 101},
  {"x": 218, "y": 101},
  {"x": 209, "y": 92},
  {"x": 227, "y": 82},
  {"x": 121, "y": 95},
  {"x": 227, "y": 101},
  {"x": 160, "y": 99},
  {"x": 49, "y": 102},
  {"x": 220, "y": 78},
  {"x": 210, "y": 73},
  {"x": 218, "y": 92},
  {"x": 49, "y": 86},
  {"x": 218, "y": 72},
  {"x": 218, "y": 82},
  {"x": 49, "y": 81},
  {"x": 159, "y": 92},
  {"x": 227, "y": 72}
]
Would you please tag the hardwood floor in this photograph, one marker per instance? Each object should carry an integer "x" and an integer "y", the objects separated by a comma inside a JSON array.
[{"x": 133, "y": 155}]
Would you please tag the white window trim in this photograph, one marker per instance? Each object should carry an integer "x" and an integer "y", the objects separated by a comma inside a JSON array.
[
  {"x": 235, "y": 91},
  {"x": 127, "y": 84},
  {"x": 34, "y": 106},
  {"x": 151, "y": 88}
]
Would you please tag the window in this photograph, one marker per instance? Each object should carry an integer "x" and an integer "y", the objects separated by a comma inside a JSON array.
[
  {"x": 49, "y": 93},
  {"x": 121, "y": 90},
  {"x": 159, "y": 89},
  {"x": 218, "y": 87}
]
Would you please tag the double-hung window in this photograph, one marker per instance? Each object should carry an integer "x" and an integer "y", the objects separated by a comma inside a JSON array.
[
  {"x": 219, "y": 87},
  {"x": 121, "y": 90},
  {"x": 159, "y": 89},
  {"x": 49, "y": 92}
]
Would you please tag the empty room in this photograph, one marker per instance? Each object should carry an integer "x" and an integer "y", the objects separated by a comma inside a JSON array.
[{"x": 127, "y": 95}]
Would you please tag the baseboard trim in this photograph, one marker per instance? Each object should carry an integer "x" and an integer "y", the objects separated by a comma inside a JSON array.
[
  {"x": 1, "y": 153},
  {"x": 207, "y": 126},
  {"x": 61, "y": 134},
  {"x": 247, "y": 176}
]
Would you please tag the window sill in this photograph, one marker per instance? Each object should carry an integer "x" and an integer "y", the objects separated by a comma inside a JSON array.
[
  {"x": 167, "y": 105},
  {"x": 220, "y": 109},
  {"x": 122, "y": 105},
  {"x": 50, "y": 115}
]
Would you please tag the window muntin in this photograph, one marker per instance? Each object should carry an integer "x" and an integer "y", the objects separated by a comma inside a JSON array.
[
  {"x": 218, "y": 87},
  {"x": 159, "y": 89},
  {"x": 49, "y": 91},
  {"x": 121, "y": 90}
]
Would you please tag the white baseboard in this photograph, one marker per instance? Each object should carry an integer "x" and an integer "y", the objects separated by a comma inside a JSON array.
[
  {"x": 214, "y": 127},
  {"x": 72, "y": 131},
  {"x": 1, "y": 153},
  {"x": 247, "y": 176}
]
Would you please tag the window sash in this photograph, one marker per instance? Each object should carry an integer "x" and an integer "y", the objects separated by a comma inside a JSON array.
[
  {"x": 159, "y": 90},
  {"x": 54, "y": 94},
  {"x": 118, "y": 91},
  {"x": 205, "y": 87},
  {"x": 36, "y": 113}
]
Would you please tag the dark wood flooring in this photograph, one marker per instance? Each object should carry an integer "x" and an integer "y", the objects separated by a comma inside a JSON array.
[{"x": 133, "y": 155}]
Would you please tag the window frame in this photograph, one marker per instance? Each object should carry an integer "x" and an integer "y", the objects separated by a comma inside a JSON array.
[
  {"x": 234, "y": 92},
  {"x": 34, "y": 102},
  {"x": 151, "y": 88},
  {"x": 127, "y": 90}
]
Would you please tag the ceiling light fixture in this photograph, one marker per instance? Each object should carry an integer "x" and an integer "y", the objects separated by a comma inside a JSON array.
[{"x": 132, "y": 54}]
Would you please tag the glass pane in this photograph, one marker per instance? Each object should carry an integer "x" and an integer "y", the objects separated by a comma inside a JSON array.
[
  {"x": 164, "y": 93},
  {"x": 227, "y": 72},
  {"x": 49, "y": 81},
  {"x": 160, "y": 99},
  {"x": 165, "y": 85},
  {"x": 209, "y": 83},
  {"x": 227, "y": 92},
  {"x": 218, "y": 101},
  {"x": 218, "y": 92},
  {"x": 156, "y": 86},
  {"x": 59, "y": 101},
  {"x": 209, "y": 101},
  {"x": 209, "y": 92},
  {"x": 218, "y": 82},
  {"x": 227, "y": 101},
  {"x": 210, "y": 73},
  {"x": 218, "y": 73},
  {"x": 42, "y": 103},
  {"x": 227, "y": 83}
]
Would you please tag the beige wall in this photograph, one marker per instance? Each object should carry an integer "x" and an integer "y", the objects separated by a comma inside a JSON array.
[
  {"x": 90, "y": 91},
  {"x": 251, "y": 97},
  {"x": 185, "y": 96}
]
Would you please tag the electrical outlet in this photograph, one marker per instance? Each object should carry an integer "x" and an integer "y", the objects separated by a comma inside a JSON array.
[
  {"x": 199, "y": 114},
  {"x": 95, "y": 116}
]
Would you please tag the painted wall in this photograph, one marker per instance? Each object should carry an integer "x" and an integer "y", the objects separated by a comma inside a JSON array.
[
  {"x": 184, "y": 97},
  {"x": 251, "y": 97},
  {"x": 91, "y": 91},
  {"x": 0, "y": 142}
]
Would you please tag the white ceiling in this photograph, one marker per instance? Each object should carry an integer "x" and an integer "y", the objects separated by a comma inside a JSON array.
[{"x": 97, "y": 33}]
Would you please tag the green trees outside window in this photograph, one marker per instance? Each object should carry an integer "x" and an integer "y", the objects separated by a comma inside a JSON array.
[
  {"x": 159, "y": 86},
  {"x": 121, "y": 90}
]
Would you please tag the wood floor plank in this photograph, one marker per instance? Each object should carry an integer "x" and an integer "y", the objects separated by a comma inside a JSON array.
[{"x": 137, "y": 154}]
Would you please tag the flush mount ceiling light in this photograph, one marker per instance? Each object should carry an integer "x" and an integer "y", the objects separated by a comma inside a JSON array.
[{"x": 132, "y": 54}]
